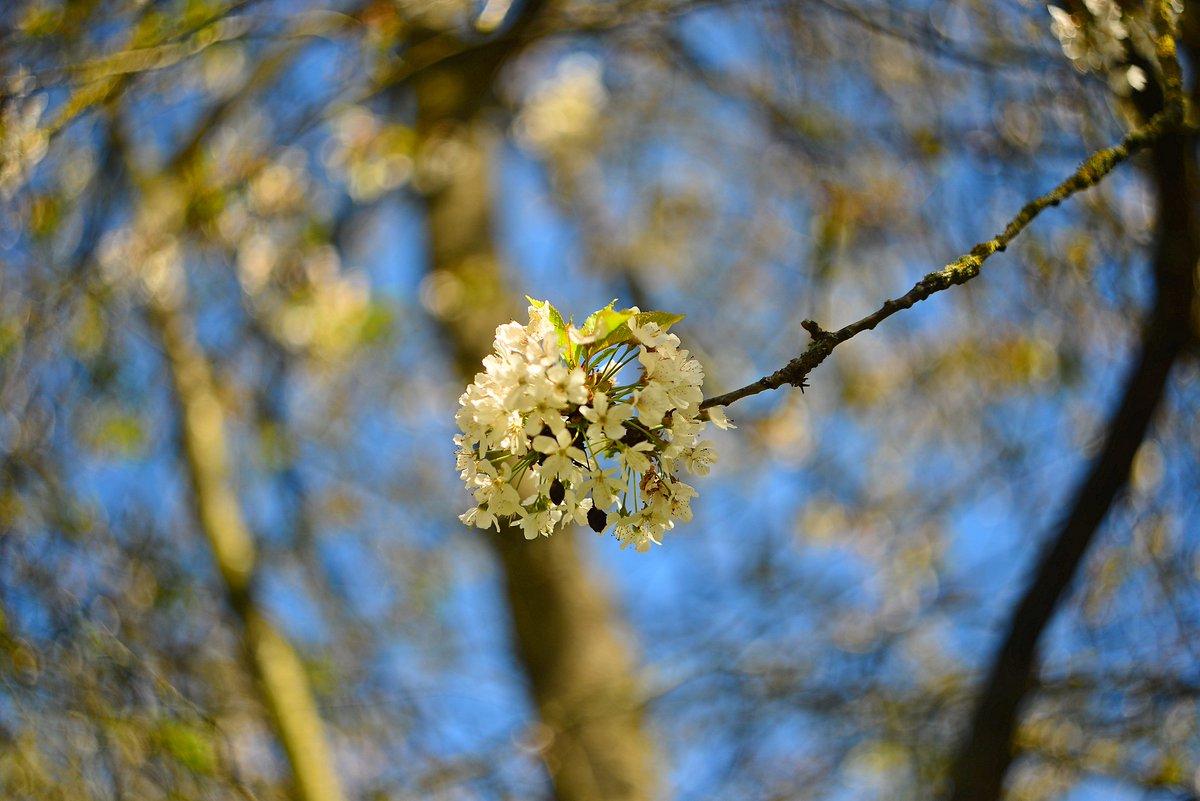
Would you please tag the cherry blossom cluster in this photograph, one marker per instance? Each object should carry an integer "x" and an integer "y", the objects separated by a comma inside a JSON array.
[
  {"x": 1098, "y": 34},
  {"x": 589, "y": 425}
]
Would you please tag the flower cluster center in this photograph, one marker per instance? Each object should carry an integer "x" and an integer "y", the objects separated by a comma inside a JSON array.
[{"x": 590, "y": 425}]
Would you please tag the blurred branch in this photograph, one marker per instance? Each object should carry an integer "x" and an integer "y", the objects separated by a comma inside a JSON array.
[
  {"x": 95, "y": 81},
  {"x": 785, "y": 125},
  {"x": 985, "y": 758},
  {"x": 922, "y": 34},
  {"x": 275, "y": 663},
  {"x": 267, "y": 70},
  {"x": 961, "y": 270}
]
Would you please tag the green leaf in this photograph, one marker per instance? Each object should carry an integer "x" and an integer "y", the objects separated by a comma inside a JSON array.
[
  {"x": 590, "y": 325},
  {"x": 556, "y": 319},
  {"x": 664, "y": 319},
  {"x": 620, "y": 332},
  {"x": 610, "y": 323},
  {"x": 610, "y": 326},
  {"x": 188, "y": 744}
]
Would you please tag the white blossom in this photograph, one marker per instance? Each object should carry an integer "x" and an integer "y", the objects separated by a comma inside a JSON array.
[
  {"x": 561, "y": 456},
  {"x": 652, "y": 404},
  {"x": 650, "y": 334},
  {"x": 716, "y": 415},
  {"x": 602, "y": 486},
  {"x": 634, "y": 457},
  {"x": 550, "y": 435},
  {"x": 607, "y": 422},
  {"x": 699, "y": 458},
  {"x": 1101, "y": 36}
]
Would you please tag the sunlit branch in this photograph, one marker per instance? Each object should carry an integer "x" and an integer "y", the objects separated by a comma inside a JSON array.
[
  {"x": 959, "y": 271},
  {"x": 287, "y": 691}
]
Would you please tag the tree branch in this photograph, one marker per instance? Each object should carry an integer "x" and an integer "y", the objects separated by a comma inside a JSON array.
[
  {"x": 274, "y": 662},
  {"x": 961, "y": 270},
  {"x": 984, "y": 761}
]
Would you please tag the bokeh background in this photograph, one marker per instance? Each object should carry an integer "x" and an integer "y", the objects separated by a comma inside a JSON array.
[{"x": 253, "y": 251}]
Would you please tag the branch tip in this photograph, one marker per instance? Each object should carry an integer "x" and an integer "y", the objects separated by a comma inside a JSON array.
[{"x": 814, "y": 330}]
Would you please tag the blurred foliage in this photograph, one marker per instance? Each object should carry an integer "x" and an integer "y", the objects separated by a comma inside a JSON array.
[{"x": 816, "y": 631}]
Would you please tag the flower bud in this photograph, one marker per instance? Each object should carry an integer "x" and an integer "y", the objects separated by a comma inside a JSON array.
[{"x": 597, "y": 519}]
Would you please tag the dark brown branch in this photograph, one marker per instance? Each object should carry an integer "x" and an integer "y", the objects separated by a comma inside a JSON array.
[
  {"x": 963, "y": 269},
  {"x": 987, "y": 754}
]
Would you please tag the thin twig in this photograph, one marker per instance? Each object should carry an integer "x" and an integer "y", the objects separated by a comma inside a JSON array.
[{"x": 959, "y": 271}]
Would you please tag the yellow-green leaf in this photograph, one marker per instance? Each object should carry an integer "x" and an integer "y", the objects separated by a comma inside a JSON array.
[
  {"x": 621, "y": 333},
  {"x": 556, "y": 319}
]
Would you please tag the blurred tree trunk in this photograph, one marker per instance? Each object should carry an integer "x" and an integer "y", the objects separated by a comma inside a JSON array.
[
  {"x": 272, "y": 660},
  {"x": 566, "y": 632}
]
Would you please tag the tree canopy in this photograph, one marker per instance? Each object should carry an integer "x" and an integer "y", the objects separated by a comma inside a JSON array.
[{"x": 937, "y": 260}]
